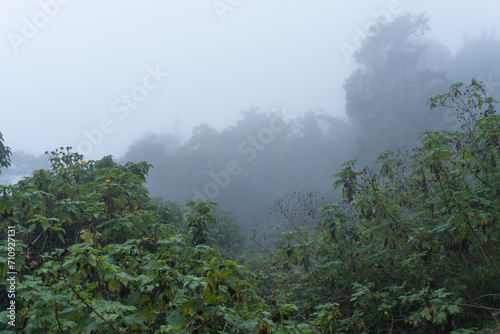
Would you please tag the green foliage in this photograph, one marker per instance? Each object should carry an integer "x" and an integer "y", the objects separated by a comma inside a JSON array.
[
  {"x": 96, "y": 255},
  {"x": 4, "y": 154},
  {"x": 412, "y": 247},
  {"x": 206, "y": 222},
  {"x": 198, "y": 220}
]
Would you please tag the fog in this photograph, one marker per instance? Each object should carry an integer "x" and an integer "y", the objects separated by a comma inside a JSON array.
[
  {"x": 135, "y": 80},
  {"x": 63, "y": 77}
]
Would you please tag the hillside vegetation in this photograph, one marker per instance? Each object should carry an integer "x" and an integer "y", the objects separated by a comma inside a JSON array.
[{"x": 413, "y": 247}]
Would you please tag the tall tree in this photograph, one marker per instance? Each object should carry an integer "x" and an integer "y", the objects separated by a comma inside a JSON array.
[{"x": 387, "y": 94}]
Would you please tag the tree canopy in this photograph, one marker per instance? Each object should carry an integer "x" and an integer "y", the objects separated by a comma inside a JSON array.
[{"x": 387, "y": 94}]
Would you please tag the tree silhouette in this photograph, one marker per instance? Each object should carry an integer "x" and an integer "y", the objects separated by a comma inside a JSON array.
[{"x": 387, "y": 94}]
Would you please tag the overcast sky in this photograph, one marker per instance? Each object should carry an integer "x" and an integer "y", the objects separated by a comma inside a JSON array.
[{"x": 95, "y": 75}]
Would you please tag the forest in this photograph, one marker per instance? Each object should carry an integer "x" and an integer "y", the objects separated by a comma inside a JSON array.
[{"x": 384, "y": 222}]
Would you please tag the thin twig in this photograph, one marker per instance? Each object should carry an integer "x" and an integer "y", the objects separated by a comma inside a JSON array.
[
  {"x": 94, "y": 310},
  {"x": 479, "y": 306},
  {"x": 488, "y": 295},
  {"x": 89, "y": 306}
]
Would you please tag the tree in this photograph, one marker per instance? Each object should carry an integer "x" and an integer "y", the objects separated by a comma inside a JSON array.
[
  {"x": 387, "y": 94},
  {"x": 4, "y": 154}
]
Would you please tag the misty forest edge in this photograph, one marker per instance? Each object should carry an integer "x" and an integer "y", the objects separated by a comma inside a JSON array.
[{"x": 411, "y": 247}]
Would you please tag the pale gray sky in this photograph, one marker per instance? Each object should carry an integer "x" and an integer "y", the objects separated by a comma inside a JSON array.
[{"x": 69, "y": 67}]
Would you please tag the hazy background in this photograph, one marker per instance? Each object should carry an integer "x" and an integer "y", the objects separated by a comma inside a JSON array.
[
  {"x": 231, "y": 71},
  {"x": 267, "y": 54}
]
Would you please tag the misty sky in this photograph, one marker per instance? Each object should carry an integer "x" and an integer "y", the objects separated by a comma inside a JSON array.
[{"x": 94, "y": 64}]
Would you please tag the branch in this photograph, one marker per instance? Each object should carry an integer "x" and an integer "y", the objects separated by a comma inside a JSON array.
[
  {"x": 90, "y": 306},
  {"x": 94, "y": 310}
]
